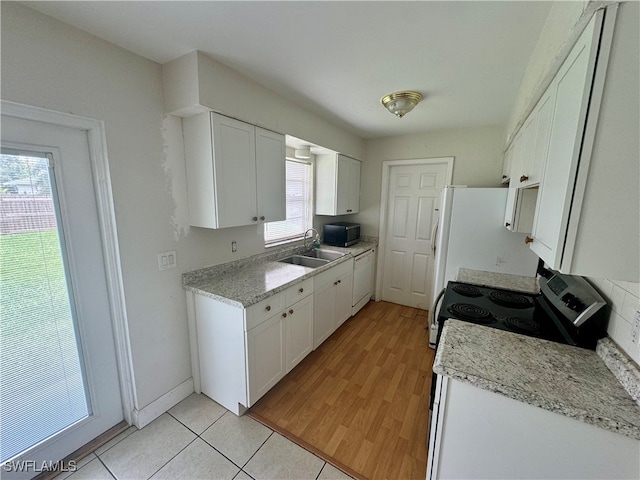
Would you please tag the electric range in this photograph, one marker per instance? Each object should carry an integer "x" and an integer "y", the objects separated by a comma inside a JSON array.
[{"x": 567, "y": 310}]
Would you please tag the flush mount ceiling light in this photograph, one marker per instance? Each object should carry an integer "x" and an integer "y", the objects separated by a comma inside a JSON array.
[
  {"x": 304, "y": 153},
  {"x": 401, "y": 103}
]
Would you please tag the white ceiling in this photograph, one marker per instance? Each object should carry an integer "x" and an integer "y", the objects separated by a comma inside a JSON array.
[{"x": 339, "y": 58}]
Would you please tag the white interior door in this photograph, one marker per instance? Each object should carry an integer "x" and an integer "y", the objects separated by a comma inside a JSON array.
[
  {"x": 412, "y": 202},
  {"x": 59, "y": 377}
]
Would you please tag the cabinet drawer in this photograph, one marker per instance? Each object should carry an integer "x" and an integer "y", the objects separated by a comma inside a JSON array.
[
  {"x": 333, "y": 273},
  {"x": 299, "y": 291},
  {"x": 259, "y": 312}
]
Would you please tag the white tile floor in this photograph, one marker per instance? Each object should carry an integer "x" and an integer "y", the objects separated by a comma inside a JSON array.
[{"x": 199, "y": 439}]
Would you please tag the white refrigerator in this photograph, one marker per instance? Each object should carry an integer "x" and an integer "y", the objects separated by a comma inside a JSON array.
[{"x": 471, "y": 235}]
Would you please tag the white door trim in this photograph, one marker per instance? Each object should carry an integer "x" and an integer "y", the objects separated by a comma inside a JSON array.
[
  {"x": 109, "y": 235},
  {"x": 386, "y": 169}
]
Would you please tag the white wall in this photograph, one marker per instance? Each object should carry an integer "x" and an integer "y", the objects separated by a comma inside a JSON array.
[
  {"x": 478, "y": 162},
  {"x": 49, "y": 64},
  {"x": 624, "y": 301}
]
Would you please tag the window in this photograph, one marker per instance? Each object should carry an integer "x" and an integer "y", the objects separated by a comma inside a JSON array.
[{"x": 299, "y": 183}]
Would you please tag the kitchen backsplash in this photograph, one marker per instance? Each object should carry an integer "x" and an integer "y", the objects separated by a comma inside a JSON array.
[{"x": 624, "y": 301}]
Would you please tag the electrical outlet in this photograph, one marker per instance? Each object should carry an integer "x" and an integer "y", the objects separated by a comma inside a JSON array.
[
  {"x": 167, "y": 260},
  {"x": 234, "y": 246},
  {"x": 635, "y": 328}
]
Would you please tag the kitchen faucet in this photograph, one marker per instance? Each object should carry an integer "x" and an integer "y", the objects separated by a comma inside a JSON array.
[{"x": 304, "y": 239}]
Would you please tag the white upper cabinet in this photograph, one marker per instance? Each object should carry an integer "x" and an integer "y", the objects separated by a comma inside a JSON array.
[
  {"x": 587, "y": 217},
  {"x": 337, "y": 185},
  {"x": 573, "y": 84},
  {"x": 235, "y": 172}
]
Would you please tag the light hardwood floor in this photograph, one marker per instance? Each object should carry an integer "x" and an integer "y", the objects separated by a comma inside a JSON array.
[{"x": 360, "y": 400}]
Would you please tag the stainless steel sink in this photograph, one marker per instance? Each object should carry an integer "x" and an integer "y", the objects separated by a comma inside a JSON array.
[
  {"x": 325, "y": 254},
  {"x": 305, "y": 261}
]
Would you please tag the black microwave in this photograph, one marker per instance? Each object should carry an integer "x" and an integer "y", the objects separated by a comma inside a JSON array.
[{"x": 341, "y": 234}]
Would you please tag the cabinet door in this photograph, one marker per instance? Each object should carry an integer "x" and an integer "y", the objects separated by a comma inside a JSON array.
[
  {"x": 554, "y": 199},
  {"x": 298, "y": 332},
  {"x": 544, "y": 117},
  {"x": 506, "y": 165},
  {"x": 234, "y": 170},
  {"x": 344, "y": 298},
  {"x": 343, "y": 185},
  {"x": 265, "y": 357},
  {"x": 270, "y": 178},
  {"x": 324, "y": 312},
  {"x": 354, "y": 186},
  {"x": 526, "y": 155},
  {"x": 510, "y": 208}
]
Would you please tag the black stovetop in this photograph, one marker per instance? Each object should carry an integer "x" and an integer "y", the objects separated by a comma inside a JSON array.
[{"x": 516, "y": 312}]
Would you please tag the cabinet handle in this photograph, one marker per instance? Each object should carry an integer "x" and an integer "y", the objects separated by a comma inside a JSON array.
[
  {"x": 262, "y": 217},
  {"x": 507, "y": 224},
  {"x": 504, "y": 176},
  {"x": 339, "y": 281},
  {"x": 255, "y": 219},
  {"x": 528, "y": 239},
  {"x": 301, "y": 290},
  {"x": 335, "y": 283},
  {"x": 268, "y": 308},
  {"x": 524, "y": 178},
  {"x": 284, "y": 315},
  {"x": 291, "y": 312}
]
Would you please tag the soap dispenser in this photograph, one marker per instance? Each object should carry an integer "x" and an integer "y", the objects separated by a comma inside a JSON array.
[{"x": 316, "y": 242}]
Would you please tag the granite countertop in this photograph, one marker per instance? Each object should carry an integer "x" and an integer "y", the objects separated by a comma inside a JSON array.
[
  {"x": 499, "y": 280},
  {"x": 247, "y": 281},
  {"x": 560, "y": 378}
]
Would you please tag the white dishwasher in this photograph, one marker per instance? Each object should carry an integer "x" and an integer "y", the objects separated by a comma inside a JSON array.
[{"x": 362, "y": 280}]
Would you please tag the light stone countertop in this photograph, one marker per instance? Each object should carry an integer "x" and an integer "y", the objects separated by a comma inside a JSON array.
[
  {"x": 560, "y": 378},
  {"x": 499, "y": 280},
  {"x": 248, "y": 281}
]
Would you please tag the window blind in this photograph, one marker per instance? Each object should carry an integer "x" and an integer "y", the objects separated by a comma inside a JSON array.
[{"x": 298, "y": 203}]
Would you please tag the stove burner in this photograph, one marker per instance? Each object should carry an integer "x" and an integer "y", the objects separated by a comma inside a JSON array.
[
  {"x": 523, "y": 325},
  {"x": 509, "y": 299},
  {"x": 467, "y": 290},
  {"x": 472, "y": 313}
]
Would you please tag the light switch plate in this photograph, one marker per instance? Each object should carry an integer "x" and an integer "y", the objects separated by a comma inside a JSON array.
[{"x": 167, "y": 260}]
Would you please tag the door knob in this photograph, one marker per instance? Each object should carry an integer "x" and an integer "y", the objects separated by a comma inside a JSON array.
[
  {"x": 507, "y": 224},
  {"x": 262, "y": 217},
  {"x": 284, "y": 315},
  {"x": 528, "y": 239},
  {"x": 291, "y": 312},
  {"x": 255, "y": 219},
  {"x": 524, "y": 178}
]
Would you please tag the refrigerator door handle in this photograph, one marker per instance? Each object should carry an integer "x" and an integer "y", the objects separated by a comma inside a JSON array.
[{"x": 434, "y": 233}]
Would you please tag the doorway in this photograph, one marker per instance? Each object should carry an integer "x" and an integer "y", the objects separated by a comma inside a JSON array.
[
  {"x": 409, "y": 213},
  {"x": 60, "y": 381}
]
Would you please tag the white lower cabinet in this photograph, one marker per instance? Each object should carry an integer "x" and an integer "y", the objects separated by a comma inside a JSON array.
[
  {"x": 333, "y": 300},
  {"x": 238, "y": 353},
  {"x": 265, "y": 356},
  {"x": 480, "y": 434},
  {"x": 277, "y": 345}
]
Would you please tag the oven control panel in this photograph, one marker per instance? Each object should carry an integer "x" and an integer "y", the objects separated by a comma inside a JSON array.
[{"x": 573, "y": 296}]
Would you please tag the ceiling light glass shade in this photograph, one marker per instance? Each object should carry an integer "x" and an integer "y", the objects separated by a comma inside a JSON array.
[
  {"x": 303, "y": 153},
  {"x": 401, "y": 103}
]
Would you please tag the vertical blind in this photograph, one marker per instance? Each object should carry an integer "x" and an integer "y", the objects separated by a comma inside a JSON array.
[
  {"x": 298, "y": 202},
  {"x": 42, "y": 387}
]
